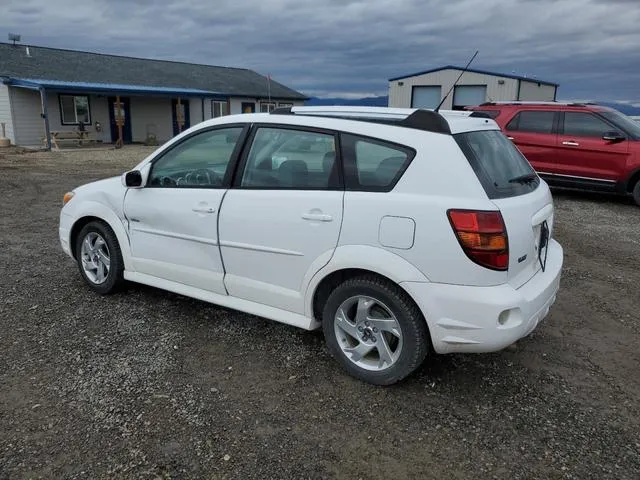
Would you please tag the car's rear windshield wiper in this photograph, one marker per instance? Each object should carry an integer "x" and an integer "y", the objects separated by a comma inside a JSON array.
[{"x": 526, "y": 178}]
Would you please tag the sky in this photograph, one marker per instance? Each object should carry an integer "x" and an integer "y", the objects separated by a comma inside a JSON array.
[{"x": 345, "y": 48}]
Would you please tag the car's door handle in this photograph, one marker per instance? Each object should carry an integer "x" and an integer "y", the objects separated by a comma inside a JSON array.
[
  {"x": 571, "y": 143},
  {"x": 204, "y": 209},
  {"x": 318, "y": 217},
  {"x": 510, "y": 138}
]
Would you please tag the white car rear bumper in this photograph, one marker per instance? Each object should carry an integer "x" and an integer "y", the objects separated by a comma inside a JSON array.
[{"x": 487, "y": 319}]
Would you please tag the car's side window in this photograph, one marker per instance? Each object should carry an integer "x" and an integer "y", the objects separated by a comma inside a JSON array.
[
  {"x": 200, "y": 161},
  {"x": 585, "y": 125},
  {"x": 291, "y": 159},
  {"x": 534, "y": 122},
  {"x": 373, "y": 165}
]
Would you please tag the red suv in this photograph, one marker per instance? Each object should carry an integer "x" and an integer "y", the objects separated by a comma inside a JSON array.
[{"x": 574, "y": 145}]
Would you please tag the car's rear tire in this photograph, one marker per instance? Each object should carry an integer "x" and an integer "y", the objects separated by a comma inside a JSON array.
[
  {"x": 99, "y": 257},
  {"x": 636, "y": 193},
  {"x": 374, "y": 329}
]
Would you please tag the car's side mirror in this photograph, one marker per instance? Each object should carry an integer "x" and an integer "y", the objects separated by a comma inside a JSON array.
[
  {"x": 613, "y": 136},
  {"x": 133, "y": 179}
]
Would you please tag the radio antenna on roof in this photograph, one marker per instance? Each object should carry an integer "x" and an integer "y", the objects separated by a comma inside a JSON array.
[{"x": 456, "y": 82}]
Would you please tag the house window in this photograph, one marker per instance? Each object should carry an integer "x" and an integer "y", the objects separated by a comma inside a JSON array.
[
  {"x": 74, "y": 109},
  {"x": 266, "y": 107},
  {"x": 285, "y": 104},
  {"x": 220, "y": 108}
]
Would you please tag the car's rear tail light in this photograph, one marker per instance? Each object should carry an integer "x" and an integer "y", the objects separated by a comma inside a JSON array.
[{"x": 482, "y": 236}]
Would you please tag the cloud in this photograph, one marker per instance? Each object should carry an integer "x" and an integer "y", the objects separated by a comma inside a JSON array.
[{"x": 348, "y": 47}]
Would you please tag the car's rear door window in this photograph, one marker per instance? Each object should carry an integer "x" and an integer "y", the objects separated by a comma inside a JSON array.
[
  {"x": 534, "y": 122},
  {"x": 291, "y": 158},
  {"x": 502, "y": 170}
]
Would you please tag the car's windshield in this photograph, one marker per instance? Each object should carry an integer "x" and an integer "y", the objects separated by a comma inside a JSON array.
[{"x": 629, "y": 126}]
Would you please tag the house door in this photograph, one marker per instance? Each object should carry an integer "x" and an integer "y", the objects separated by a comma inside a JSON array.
[
  {"x": 248, "y": 107},
  {"x": 180, "y": 116},
  {"x": 125, "y": 114}
]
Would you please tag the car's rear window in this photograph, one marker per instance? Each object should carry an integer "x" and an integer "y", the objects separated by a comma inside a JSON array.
[
  {"x": 491, "y": 113},
  {"x": 502, "y": 170}
]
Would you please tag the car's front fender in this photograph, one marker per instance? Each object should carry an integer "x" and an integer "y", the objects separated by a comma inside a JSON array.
[{"x": 78, "y": 209}]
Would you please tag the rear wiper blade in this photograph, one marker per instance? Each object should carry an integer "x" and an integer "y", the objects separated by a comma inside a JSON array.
[{"x": 526, "y": 178}]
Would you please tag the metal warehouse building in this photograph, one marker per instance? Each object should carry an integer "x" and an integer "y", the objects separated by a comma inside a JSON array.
[{"x": 426, "y": 89}]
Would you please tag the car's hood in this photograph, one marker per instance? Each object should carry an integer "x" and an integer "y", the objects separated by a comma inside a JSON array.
[
  {"x": 109, "y": 192},
  {"x": 106, "y": 185}
]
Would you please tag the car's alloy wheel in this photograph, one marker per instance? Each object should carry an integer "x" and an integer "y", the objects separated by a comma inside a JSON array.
[
  {"x": 99, "y": 257},
  {"x": 95, "y": 258},
  {"x": 368, "y": 333},
  {"x": 374, "y": 329}
]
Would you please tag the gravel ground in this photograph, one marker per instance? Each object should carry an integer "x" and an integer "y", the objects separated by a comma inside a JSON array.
[{"x": 148, "y": 384}]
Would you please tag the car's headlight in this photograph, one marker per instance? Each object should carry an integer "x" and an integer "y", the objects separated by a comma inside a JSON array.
[{"x": 67, "y": 196}]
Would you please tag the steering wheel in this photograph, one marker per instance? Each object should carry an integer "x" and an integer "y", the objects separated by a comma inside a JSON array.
[
  {"x": 201, "y": 176},
  {"x": 167, "y": 182},
  {"x": 204, "y": 177}
]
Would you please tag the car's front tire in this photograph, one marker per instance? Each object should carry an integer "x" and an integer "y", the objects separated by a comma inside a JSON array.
[
  {"x": 99, "y": 257},
  {"x": 374, "y": 329},
  {"x": 636, "y": 193}
]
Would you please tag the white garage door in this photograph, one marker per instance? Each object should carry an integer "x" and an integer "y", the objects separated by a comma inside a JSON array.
[
  {"x": 465, "y": 95},
  {"x": 426, "y": 97}
]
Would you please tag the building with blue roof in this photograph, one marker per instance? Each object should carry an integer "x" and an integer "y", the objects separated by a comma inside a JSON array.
[{"x": 112, "y": 98}]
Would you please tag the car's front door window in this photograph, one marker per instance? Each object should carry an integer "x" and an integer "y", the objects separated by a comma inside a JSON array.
[
  {"x": 585, "y": 125},
  {"x": 200, "y": 161}
]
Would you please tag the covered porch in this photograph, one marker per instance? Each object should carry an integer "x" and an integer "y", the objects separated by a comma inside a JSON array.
[{"x": 56, "y": 114}]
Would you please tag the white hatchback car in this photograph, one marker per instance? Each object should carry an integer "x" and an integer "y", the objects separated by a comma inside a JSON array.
[{"x": 398, "y": 231}]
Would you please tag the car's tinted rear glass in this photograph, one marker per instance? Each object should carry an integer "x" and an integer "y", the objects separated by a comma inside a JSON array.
[
  {"x": 491, "y": 113},
  {"x": 502, "y": 170}
]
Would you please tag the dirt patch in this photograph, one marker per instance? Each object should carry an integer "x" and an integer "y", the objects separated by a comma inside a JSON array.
[{"x": 147, "y": 384}]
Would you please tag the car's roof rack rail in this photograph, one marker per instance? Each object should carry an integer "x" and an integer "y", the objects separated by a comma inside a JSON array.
[
  {"x": 533, "y": 102},
  {"x": 419, "y": 119}
]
